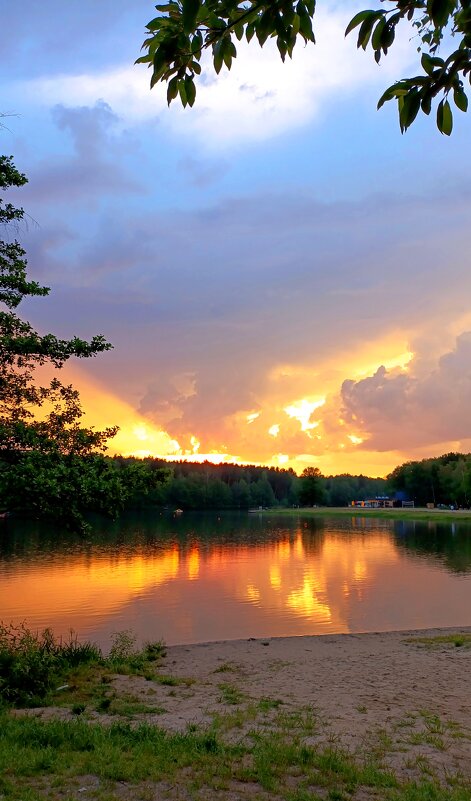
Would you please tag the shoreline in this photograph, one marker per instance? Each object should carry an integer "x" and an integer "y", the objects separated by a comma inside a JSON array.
[
  {"x": 418, "y": 513},
  {"x": 431, "y": 630}
]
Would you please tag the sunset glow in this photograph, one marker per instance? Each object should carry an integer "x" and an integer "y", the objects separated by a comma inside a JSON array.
[{"x": 269, "y": 265}]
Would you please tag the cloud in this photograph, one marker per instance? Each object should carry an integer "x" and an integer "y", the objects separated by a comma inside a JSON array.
[
  {"x": 93, "y": 169},
  {"x": 397, "y": 409},
  {"x": 258, "y": 99},
  {"x": 255, "y": 303}
]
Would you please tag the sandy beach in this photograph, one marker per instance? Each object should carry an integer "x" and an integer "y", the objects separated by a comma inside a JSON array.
[
  {"x": 384, "y": 691},
  {"x": 354, "y": 716}
]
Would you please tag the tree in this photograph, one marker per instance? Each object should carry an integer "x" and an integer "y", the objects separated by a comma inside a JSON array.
[
  {"x": 22, "y": 350},
  {"x": 184, "y": 29},
  {"x": 50, "y": 465},
  {"x": 311, "y": 490}
]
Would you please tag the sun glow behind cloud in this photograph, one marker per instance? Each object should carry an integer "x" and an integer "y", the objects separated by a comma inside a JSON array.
[
  {"x": 302, "y": 411},
  {"x": 309, "y": 433},
  {"x": 345, "y": 275}
]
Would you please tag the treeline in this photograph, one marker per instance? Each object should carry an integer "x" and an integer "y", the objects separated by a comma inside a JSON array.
[
  {"x": 67, "y": 487},
  {"x": 442, "y": 480},
  {"x": 192, "y": 485}
]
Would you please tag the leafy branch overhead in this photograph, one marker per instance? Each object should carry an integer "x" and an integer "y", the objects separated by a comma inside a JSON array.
[{"x": 180, "y": 33}]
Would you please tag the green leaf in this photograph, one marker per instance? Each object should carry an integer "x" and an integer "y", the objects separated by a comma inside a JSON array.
[
  {"x": 155, "y": 24},
  {"x": 444, "y": 118},
  {"x": 239, "y": 31},
  {"x": 378, "y": 33},
  {"x": 218, "y": 55},
  {"x": 196, "y": 43},
  {"x": 172, "y": 90},
  {"x": 229, "y": 53},
  {"x": 409, "y": 109},
  {"x": 399, "y": 89},
  {"x": 461, "y": 99},
  {"x": 388, "y": 37},
  {"x": 189, "y": 14},
  {"x": 427, "y": 63},
  {"x": 357, "y": 20},
  {"x": 250, "y": 30},
  {"x": 182, "y": 92},
  {"x": 439, "y": 11},
  {"x": 190, "y": 90},
  {"x": 426, "y": 103},
  {"x": 305, "y": 27},
  {"x": 365, "y": 31}
]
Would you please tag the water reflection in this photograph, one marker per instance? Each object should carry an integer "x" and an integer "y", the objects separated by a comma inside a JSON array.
[{"x": 206, "y": 577}]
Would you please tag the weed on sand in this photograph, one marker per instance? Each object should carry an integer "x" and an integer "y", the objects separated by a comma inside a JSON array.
[{"x": 456, "y": 640}]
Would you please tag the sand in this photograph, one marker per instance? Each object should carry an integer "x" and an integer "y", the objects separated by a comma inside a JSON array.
[
  {"x": 365, "y": 692},
  {"x": 361, "y": 691},
  {"x": 385, "y": 675}
]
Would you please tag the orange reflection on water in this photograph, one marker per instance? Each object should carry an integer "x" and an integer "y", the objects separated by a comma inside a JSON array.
[
  {"x": 193, "y": 563},
  {"x": 302, "y": 583}
]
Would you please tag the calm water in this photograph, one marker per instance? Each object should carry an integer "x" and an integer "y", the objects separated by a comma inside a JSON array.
[{"x": 209, "y": 577}]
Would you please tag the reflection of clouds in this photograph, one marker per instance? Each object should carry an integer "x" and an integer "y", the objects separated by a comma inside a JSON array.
[
  {"x": 306, "y": 582},
  {"x": 69, "y": 592},
  {"x": 306, "y": 601},
  {"x": 193, "y": 562}
]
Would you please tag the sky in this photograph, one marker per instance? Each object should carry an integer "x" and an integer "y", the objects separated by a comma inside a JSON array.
[{"x": 284, "y": 277}]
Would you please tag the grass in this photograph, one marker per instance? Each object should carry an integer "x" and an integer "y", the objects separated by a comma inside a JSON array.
[
  {"x": 454, "y": 639},
  {"x": 36, "y": 668},
  {"x": 51, "y": 759},
  {"x": 384, "y": 514},
  {"x": 230, "y": 694}
]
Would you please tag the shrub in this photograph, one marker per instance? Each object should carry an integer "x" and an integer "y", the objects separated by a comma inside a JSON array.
[{"x": 32, "y": 663}]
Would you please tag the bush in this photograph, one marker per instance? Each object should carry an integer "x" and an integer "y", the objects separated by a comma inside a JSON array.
[{"x": 32, "y": 663}]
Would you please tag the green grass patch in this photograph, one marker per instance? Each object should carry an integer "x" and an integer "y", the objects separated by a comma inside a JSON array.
[
  {"x": 226, "y": 667},
  {"x": 230, "y": 694},
  {"x": 456, "y": 640},
  {"x": 382, "y": 514},
  {"x": 37, "y": 668},
  {"x": 47, "y": 759}
]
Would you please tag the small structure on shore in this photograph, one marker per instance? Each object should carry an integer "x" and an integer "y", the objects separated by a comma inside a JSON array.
[{"x": 382, "y": 502}]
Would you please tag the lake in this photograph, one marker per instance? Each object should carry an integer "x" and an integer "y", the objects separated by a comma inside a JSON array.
[{"x": 201, "y": 577}]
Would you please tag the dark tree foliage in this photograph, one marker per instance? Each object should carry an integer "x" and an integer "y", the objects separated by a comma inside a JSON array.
[
  {"x": 183, "y": 29},
  {"x": 442, "y": 480},
  {"x": 203, "y": 485},
  {"x": 22, "y": 350},
  {"x": 341, "y": 490},
  {"x": 311, "y": 490},
  {"x": 194, "y": 485}
]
